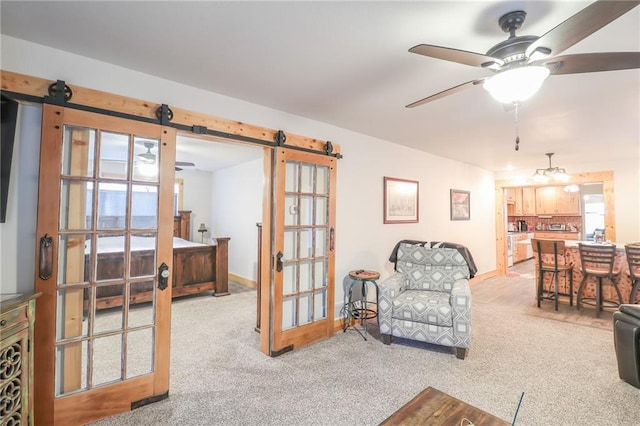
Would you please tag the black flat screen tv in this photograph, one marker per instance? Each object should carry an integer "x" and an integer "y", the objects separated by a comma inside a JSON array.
[{"x": 9, "y": 112}]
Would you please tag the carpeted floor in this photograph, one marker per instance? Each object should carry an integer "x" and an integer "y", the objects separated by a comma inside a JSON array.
[{"x": 218, "y": 376}]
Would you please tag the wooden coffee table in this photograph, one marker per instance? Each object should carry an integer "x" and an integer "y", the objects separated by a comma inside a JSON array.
[{"x": 434, "y": 408}]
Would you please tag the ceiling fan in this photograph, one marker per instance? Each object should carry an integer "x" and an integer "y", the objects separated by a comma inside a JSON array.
[
  {"x": 521, "y": 63},
  {"x": 149, "y": 157}
]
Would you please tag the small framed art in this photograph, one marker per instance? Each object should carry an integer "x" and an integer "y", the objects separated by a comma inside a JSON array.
[
  {"x": 400, "y": 200},
  {"x": 460, "y": 204}
]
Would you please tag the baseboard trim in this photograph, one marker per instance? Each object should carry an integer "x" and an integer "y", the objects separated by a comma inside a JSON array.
[
  {"x": 482, "y": 277},
  {"x": 242, "y": 280}
]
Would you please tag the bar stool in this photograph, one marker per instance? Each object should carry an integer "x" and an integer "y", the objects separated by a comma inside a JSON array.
[
  {"x": 557, "y": 265},
  {"x": 598, "y": 261},
  {"x": 633, "y": 258},
  {"x": 361, "y": 309}
]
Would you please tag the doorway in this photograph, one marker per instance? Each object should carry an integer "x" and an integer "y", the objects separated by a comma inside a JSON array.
[
  {"x": 223, "y": 190},
  {"x": 593, "y": 208}
]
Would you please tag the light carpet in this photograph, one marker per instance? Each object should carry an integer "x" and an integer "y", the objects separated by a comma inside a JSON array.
[{"x": 219, "y": 377}]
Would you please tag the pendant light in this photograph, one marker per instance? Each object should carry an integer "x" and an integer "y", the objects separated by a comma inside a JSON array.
[{"x": 550, "y": 173}]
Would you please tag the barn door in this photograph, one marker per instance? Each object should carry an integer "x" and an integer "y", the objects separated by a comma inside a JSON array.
[
  {"x": 105, "y": 208},
  {"x": 303, "y": 249}
]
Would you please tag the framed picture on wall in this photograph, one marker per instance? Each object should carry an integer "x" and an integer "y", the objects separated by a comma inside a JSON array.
[
  {"x": 400, "y": 200},
  {"x": 460, "y": 204}
]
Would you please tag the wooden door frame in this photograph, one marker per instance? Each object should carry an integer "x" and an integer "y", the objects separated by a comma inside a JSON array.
[{"x": 606, "y": 177}]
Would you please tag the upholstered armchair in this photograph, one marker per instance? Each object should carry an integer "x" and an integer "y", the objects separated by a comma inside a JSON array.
[
  {"x": 428, "y": 297},
  {"x": 626, "y": 339}
]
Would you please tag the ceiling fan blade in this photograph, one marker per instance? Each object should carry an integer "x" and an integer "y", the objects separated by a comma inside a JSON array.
[
  {"x": 184, "y": 163},
  {"x": 447, "y": 92},
  {"x": 455, "y": 55},
  {"x": 178, "y": 169},
  {"x": 592, "y": 62},
  {"x": 579, "y": 26}
]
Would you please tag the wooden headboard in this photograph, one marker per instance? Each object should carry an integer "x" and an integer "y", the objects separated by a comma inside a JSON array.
[{"x": 182, "y": 225}]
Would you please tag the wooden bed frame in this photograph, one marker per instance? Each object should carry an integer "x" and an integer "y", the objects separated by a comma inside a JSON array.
[{"x": 195, "y": 269}]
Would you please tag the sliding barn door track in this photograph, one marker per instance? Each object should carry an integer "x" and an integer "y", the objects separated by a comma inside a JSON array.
[{"x": 60, "y": 94}]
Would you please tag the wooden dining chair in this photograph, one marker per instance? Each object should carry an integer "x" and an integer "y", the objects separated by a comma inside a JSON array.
[
  {"x": 633, "y": 259},
  {"x": 598, "y": 261},
  {"x": 554, "y": 265}
]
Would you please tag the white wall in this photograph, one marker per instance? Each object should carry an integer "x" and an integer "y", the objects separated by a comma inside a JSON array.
[
  {"x": 236, "y": 207},
  {"x": 18, "y": 233},
  {"x": 196, "y": 197},
  {"x": 362, "y": 241}
]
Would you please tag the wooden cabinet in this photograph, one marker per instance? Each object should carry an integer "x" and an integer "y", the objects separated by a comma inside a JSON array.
[
  {"x": 528, "y": 201},
  {"x": 567, "y": 202},
  {"x": 17, "y": 316},
  {"x": 518, "y": 201},
  {"x": 520, "y": 252},
  {"x": 546, "y": 200},
  {"x": 521, "y": 201},
  {"x": 553, "y": 200}
]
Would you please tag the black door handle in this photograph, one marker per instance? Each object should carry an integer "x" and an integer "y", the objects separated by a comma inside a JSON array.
[
  {"x": 46, "y": 257},
  {"x": 279, "y": 261},
  {"x": 163, "y": 276}
]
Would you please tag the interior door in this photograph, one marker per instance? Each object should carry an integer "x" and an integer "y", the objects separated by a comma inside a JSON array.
[
  {"x": 303, "y": 249},
  {"x": 105, "y": 219}
]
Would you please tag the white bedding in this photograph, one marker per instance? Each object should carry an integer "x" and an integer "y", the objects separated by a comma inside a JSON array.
[{"x": 116, "y": 244}]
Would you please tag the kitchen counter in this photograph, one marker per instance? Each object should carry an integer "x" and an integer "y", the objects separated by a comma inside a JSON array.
[
  {"x": 572, "y": 255},
  {"x": 556, "y": 231},
  {"x": 574, "y": 244}
]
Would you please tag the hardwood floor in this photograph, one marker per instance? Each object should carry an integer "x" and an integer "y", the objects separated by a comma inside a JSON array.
[{"x": 518, "y": 291}]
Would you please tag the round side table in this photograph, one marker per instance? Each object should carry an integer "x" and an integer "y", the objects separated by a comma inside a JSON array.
[{"x": 361, "y": 309}]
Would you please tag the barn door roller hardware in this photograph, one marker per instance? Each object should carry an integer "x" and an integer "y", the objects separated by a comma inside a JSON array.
[{"x": 59, "y": 93}]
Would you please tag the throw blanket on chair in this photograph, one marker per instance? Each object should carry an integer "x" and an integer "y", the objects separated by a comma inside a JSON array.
[{"x": 464, "y": 251}]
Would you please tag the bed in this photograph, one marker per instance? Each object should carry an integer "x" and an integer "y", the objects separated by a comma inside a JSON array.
[{"x": 196, "y": 268}]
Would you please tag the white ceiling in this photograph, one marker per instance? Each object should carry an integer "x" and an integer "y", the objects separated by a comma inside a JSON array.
[{"x": 346, "y": 63}]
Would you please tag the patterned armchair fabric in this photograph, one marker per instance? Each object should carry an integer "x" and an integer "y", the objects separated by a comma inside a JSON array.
[{"x": 428, "y": 298}]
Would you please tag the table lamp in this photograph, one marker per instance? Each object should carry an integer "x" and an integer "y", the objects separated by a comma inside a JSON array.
[{"x": 202, "y": 230}]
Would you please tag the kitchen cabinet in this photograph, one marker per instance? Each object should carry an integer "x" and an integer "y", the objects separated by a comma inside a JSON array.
[
  {"x": 568, "y": 202},
  {"x": 553, "y": 200},
  {"x": 518, "y": 201},
  {"x": 521, "y": 201},
  {"x": 528, "y": 201},
  {"x": 520, "y": 252},
  {"x": 16, "y": 357}
]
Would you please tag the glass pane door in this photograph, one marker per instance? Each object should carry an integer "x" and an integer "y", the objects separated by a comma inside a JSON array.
[
  {"x": 304, "y": 216},
  {"x": 110, "y": 218}
]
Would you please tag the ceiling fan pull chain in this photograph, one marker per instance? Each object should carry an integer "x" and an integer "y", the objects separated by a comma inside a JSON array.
[{"x": 517, "y": 131}]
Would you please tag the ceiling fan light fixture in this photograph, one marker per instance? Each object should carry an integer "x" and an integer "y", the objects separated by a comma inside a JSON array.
[
  {"x": 516, "y": 84},
  {"x": 147, "y": 157}
]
